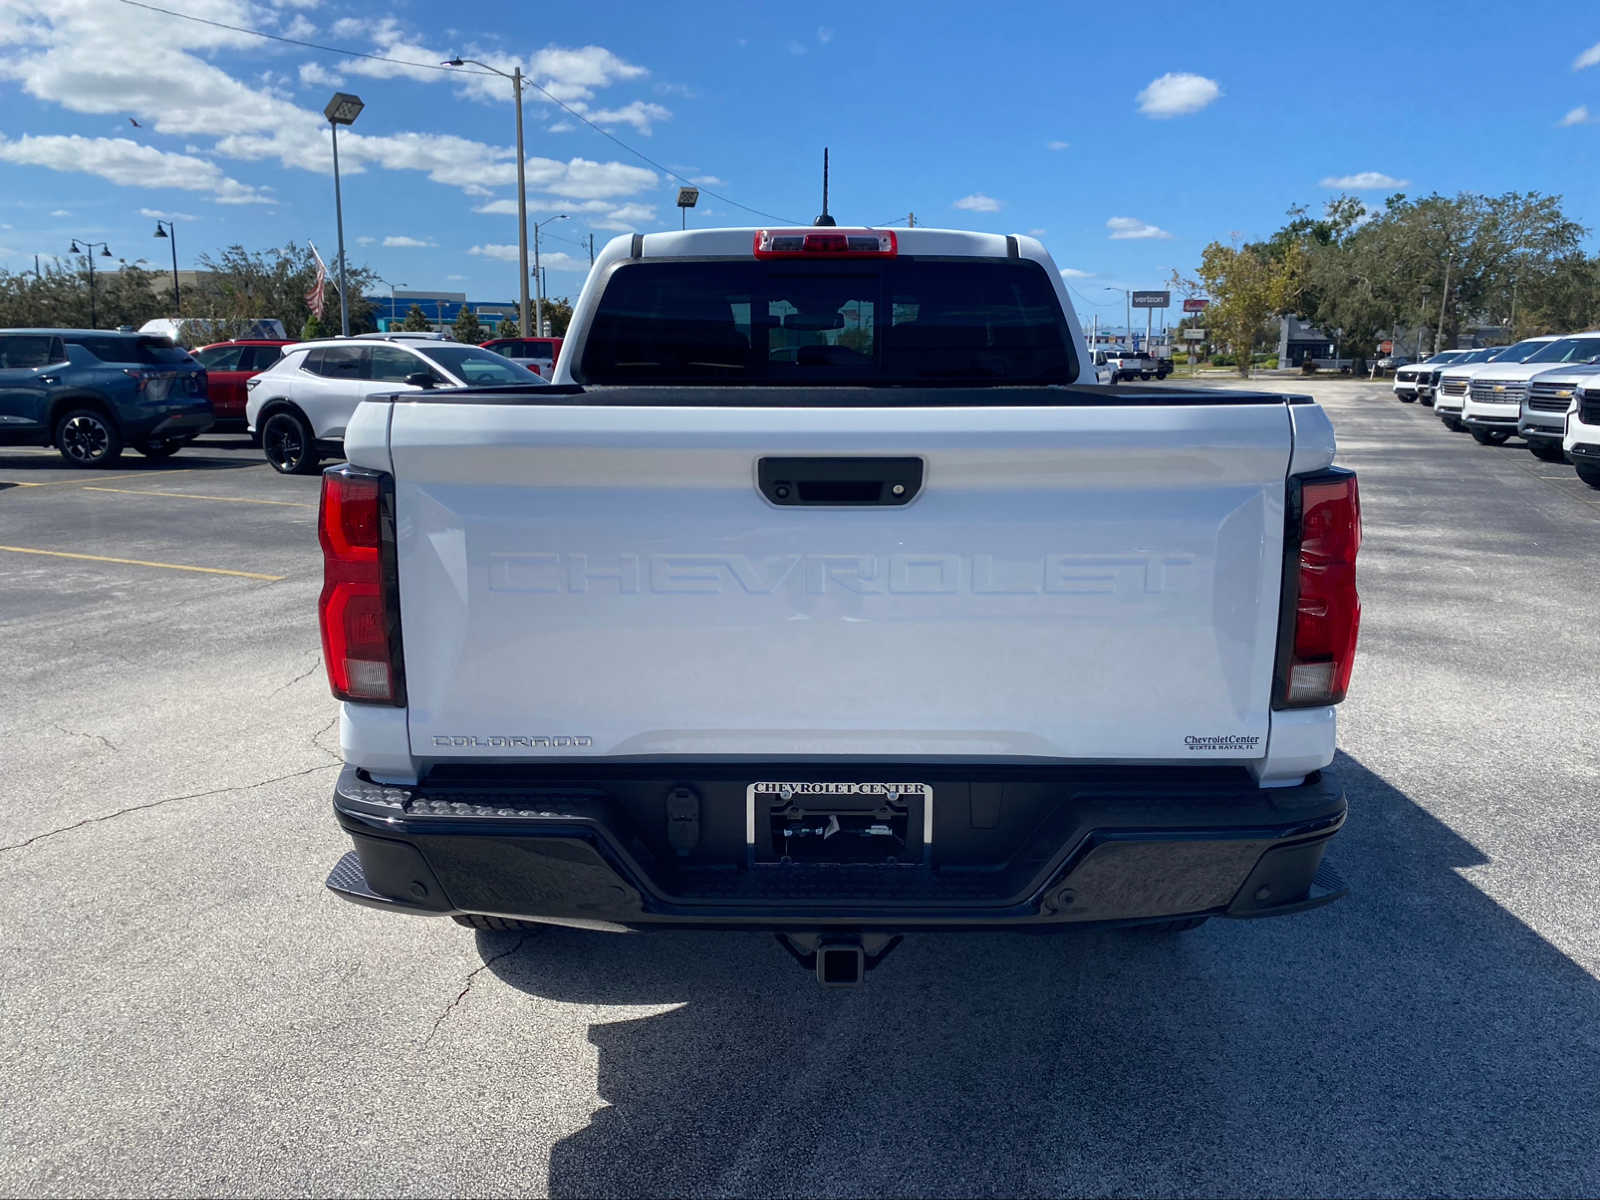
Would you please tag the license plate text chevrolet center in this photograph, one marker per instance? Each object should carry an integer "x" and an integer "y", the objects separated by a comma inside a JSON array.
[{"x": 824, "y": 593}]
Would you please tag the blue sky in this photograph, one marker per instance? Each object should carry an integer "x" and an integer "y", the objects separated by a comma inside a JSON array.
[{"x": 1127, "y": 138}]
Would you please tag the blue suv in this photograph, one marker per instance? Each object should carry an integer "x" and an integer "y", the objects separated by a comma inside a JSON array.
[{"x": 90, "y": 392}]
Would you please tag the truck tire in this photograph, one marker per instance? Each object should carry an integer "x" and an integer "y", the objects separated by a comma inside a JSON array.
[
  {"x": 1489, "y": 437},
  {"x": 161, "y": 449},
  {"x": 288, "y": 445},
  {"x": 1405, "y": 399},
  {"x": 493, "y": 924},
  {"x": 1550, "y": 452},
  {"x": 1452, "y": 424},
  {"x": 1590, "y": 474},
  {"x": 86, "y": 437}
]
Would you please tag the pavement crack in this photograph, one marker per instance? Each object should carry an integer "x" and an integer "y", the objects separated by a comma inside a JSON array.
[
  {"x": 316, "y": 740},
  {"x": 94, "y": 737},
  {"x": 315, "y": 663},
  {"x": 149, "y": 804},
  {"x": 467, "y": 986}
]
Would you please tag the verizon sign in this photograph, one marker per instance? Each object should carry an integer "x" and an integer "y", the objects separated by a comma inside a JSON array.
[{"x": 1151, "y": 299}]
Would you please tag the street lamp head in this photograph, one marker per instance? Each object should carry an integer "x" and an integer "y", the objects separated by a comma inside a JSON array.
[
  {"x": 74, "y": 247},
  {"x": 343, "y": 109},
  {"x": 105, "y": 251},
  {"x": 457, "y": 61},
  {"x": 160, "y": 232}
]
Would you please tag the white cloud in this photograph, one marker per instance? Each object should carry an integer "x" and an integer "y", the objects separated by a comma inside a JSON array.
[
  {"x": 167, "y": 216},
  {"x": 455, "y": 278},
  {"x": 560, "y": 260},
  {"x": 1363, "y": 181},
  {"x": 1123, "y": 228},
  {"x": 1058, "y": 145},
  {"x": 824, "y": 34},
  {"x": 1589, "y": 58},
  {"x": 502, "y": 207},
  {"x": 797, "y": 48},
  {"x": 300, "y": 27},
  {"x": 641, "y": 114},
  {"x": 60, "y": 212},
  {"x": 1177, "y": 93},
  {"x": 1037, "y": 231},
  {"x": 710, "y": 181},
  {"x": 365, "y": 240},
  {"x": 129, "y": 164},
  {"x": 314, "y": 74},
  {"x": 1074, "y": 273},
  {"x": 978, "y": 202},
  {"x": 1579, "y": 115},
  {"x": 402, "y": 241}
]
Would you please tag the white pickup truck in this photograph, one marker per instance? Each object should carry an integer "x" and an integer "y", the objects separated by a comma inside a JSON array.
[{"x": 824, "y": 593}]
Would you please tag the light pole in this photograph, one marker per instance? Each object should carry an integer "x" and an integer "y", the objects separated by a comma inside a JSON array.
[
  {"x": 393, "y": 310},
  {"x": 538, "y": 225},
  {"x": 166, "y": 229},
  {"x": 1127, "y": 312},
  {"x": 522, "y": 187},
  {"x": 88, "y": 254},
  {"x": 343, "y": 109}
]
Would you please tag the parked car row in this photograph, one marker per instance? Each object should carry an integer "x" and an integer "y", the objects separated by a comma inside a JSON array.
[
  {"x": 1545, "y": 390},
  {"x": 92, "y": 392}
]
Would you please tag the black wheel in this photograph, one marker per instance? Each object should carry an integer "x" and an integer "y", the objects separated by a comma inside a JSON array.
[
  {"x": 86, "y": 437},
  {"x": 1144, "y": 375},
  {"x": 1183, "y": 925},
  {"x": 1489, "y": 437},
  {"x": 1547, "y": 451},
  {"x": 1407, "y": 399},
  {"x": 1450, "y": 423},
  {"x": 286, "y": 441},
  {"x": 494, "y": 924},
  {"x": 1589, "y": 473},
  {"x": 161, "y": 448}
]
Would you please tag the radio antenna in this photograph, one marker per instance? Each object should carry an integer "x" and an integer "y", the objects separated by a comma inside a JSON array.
[{"x": 824, "y": 219}]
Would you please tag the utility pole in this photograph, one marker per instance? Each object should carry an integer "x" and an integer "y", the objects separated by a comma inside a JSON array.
[
  {"x": 591, "y": 249},
  {"x": 538, "y": 278},
  {"x": 522, "y": 208},
  {"x": 911, "y": 220},
  {"x": 1438, "y": 338}
]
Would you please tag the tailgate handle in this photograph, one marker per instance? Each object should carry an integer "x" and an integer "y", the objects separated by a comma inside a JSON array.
[{"x": 839, "y": 481}]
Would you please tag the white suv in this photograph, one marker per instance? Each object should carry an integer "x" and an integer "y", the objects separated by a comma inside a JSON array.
[
  {"x": 1493, "y": 403},
  {"x": 299, "y": 408},
  {"x": 1582, "y": 439},
  {"x": 1450, "y": 397}
]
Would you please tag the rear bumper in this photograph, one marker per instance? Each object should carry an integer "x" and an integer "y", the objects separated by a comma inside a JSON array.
[
  {"x": 184, "y": 424},
  {"x": 1100, "y": 847}
]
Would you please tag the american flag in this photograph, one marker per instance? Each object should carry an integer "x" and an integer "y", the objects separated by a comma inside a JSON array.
[{"x": 314, "y": 297}]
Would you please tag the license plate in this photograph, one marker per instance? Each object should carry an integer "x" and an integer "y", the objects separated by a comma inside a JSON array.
[{"x": 816, "y": 811}]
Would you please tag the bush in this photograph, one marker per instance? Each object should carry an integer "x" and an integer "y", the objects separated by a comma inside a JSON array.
[
  {"x": 1224, "y": 360},
  {"x": 1308, "y": 367}
]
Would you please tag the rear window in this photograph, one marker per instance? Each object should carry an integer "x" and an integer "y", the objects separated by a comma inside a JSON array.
[
  {"x": 830, "y": 322},
  {"x": 144, "y": 351},
  {"x": 475, "y": 366}
]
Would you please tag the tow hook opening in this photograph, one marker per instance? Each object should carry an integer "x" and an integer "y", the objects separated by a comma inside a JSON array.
[{"x": 839, "y": 960}]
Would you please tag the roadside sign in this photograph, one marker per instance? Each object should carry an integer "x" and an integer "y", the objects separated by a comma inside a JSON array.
[
  {"x": 1151, "y": 299},
  {"x": 1385, "y": 347},
  {"x": 1194, "y": 335},
  {"x": 1194, "y": 306}
]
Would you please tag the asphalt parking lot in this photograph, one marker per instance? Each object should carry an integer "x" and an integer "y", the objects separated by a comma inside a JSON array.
[{"x": 187, "y": 1011}]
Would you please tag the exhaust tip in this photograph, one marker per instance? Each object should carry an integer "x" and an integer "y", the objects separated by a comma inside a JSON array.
[{"x": 841, "y": 965}]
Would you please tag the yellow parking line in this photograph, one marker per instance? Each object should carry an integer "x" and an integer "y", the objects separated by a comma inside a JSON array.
[
  {"x": 79, "y": 482},
  {"x": 139, "y": 562},
  {"x": 186, "y": 496}
]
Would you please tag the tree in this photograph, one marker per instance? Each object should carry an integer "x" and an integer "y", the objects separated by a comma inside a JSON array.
[
  {"x": 1247, "y": 286},
  {"x": 416, "y": 321},
  {"x": 557, "y": 315},
  {"x": 242, "y": 285},
  {"x": 311, "y": 330},
  {"x": 467, "y": 328}
]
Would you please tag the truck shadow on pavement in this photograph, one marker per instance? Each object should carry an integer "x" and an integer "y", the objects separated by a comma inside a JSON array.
[{"x": 1413, "y": 1038}]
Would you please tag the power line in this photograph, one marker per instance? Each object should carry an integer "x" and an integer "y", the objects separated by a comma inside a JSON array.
[{"x": 565, "y": 107}]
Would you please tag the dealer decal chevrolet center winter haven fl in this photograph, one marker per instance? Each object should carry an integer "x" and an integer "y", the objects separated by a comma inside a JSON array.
[{"x": 1231, "y": 742}]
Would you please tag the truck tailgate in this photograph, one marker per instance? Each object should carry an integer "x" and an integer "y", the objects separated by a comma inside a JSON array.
[{"x": 1086, "y": 583}]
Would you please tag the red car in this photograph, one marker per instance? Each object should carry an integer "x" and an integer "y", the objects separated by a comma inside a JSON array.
[
  {"x": 538, "y": 354},
  {"x": 228, "y": 365}
]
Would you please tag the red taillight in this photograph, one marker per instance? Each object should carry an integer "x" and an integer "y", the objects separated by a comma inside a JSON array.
[
  {"x": 359, "y": 621},
  {"x": 1327, "y": 611},
  {"x": 825, "y": 243}
]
